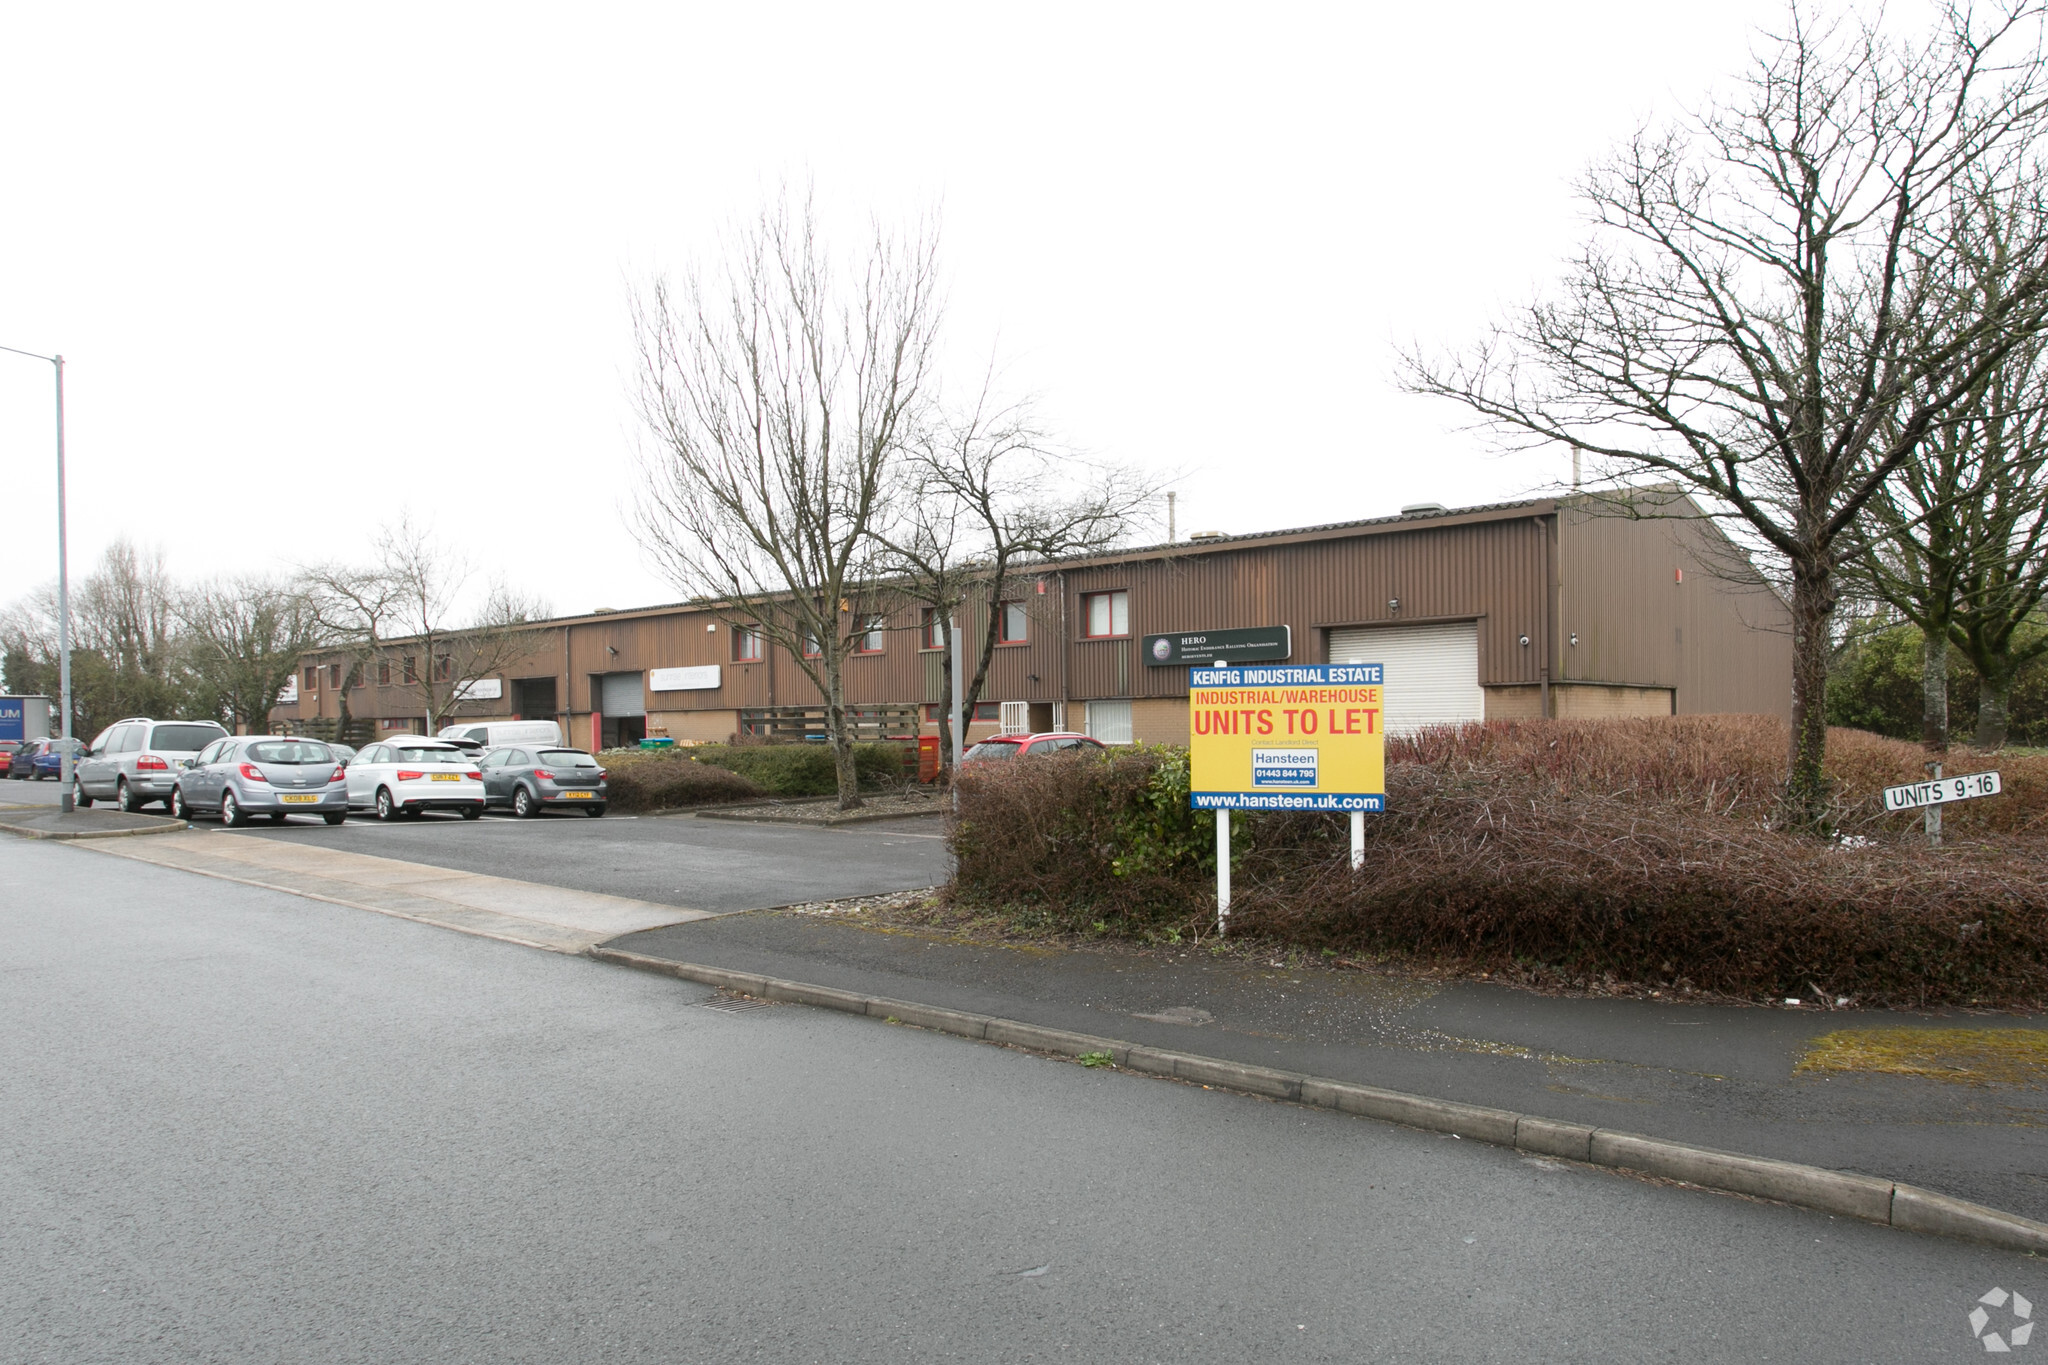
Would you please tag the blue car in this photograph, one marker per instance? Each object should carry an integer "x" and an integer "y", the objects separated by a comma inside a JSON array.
[{"x": 41, "y": 760}]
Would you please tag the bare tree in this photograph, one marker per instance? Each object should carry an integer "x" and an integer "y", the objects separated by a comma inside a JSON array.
[
  {"x": 244, "y": 637},
  {"x": 402, "y": 612},
  {"x": 779, "y": 393},
  {"x": 986, "y": 496},
  {"x": 1746, "y": 319},
  {"x": 1958, "y": 542}
]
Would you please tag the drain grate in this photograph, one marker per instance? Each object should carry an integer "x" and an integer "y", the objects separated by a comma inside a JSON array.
[{"x": 734, "y": 1004}]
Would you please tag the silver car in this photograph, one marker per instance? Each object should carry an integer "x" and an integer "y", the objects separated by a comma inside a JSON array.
[
  {"x": 137, "y": 761},
  {"x": 275, "y": 775}
]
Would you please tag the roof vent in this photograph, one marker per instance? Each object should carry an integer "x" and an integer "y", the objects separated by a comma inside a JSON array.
[
  {"x": 1424, "y": 509},
  {"x": 1207, "y": 535}
]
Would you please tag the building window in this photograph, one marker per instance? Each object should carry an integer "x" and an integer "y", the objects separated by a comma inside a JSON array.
[
  {"x": 936, "y": 711},
  {"x": 1106, "y": 614},
  {"x": 747, "y": 645},
  {"x": 334, "y": 675},
  {"x": 357, "y": 676},
  {"x": 384, "y": 673},
  {"x": 869, "y": 641},
  {"x": 444, "y": 668},
  {"x": 312, "y": 677},
  {"x": 412, "y": 674},
  {"x": 811, "y": 649},
  {"x": 934, "y": 629},
  {"x": 1016, "y": 625},
  {"x": 1110, "y": 721}
]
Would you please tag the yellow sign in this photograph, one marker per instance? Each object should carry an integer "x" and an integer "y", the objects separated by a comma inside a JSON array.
[{"x": 1287, "y": 737}]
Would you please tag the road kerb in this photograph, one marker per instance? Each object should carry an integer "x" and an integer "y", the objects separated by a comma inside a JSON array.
[
  {"x": 1869, "y": 1198},
  {"x": 169, "y": 826}
]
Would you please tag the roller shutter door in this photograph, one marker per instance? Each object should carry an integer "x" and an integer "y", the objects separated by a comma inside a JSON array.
[
  {"x": 621, "y": 694},
  {"x": 1432, "y": 671}
]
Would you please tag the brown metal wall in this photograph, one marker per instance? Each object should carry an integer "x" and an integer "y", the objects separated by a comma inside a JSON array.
[
  {"x": 1725, "y": 646},
  {"x": 1722, "y": 647}
]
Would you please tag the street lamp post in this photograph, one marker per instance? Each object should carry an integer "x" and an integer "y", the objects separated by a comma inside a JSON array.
[{"x": 63, "y": 595}]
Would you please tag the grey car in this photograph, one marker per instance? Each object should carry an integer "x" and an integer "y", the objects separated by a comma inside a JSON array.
[
  {"x": 531, "y": 780},
  {"x": 137, "y": 761},
  {"x": 244, "y": 776}
]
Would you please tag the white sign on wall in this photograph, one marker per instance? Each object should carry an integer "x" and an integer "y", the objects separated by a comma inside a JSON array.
[
  {"x": 479, "y": 689},
  {"x": 288, "y": 695},
  {"x": 698, "y": 679}
]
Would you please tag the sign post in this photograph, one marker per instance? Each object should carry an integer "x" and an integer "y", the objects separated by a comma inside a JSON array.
[
  {"x": 1931, "y": 796},
  {"x": 1302, "y": 737}
]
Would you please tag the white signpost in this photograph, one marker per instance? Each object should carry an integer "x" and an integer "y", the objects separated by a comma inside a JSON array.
[{"x": 1931, "y": 796}]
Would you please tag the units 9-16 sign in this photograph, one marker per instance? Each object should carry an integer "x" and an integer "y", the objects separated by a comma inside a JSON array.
[{"x": 1287, "y": 737}]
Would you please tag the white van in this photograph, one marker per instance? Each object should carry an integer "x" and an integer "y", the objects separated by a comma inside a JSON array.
[{"x": 492, "y": 734}]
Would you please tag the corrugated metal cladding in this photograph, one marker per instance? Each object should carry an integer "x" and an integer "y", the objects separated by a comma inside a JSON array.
[{"x": 1500, "y": 574}]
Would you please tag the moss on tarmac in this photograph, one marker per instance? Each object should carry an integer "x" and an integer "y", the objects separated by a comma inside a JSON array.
[{"x": 1971, "y": 1056}]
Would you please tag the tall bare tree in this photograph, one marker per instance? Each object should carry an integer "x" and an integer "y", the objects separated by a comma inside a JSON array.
[
  {"x": 1958, "y": 542},
  {"x": 244, "y": 637},
  {"x": 779, "y": 391},
  {"x": 402, "y": 611},
  {"x": 1746, "y": 319},
  {"x": 985, "y": 496}
]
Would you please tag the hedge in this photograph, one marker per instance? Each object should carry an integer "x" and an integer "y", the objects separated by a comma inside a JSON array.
[{"x": 1568, "y": 852}]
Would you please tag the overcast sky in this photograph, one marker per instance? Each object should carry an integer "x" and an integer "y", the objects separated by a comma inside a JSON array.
[{"x": 312, "y": 268}]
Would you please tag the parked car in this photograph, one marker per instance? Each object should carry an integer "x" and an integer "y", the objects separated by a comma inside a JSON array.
[
  {"x": 405, "y": 775},
  {"x": 136, "y": 761},
  {"x": 8, "y": 749},
  {"x": 46, "y": 760},
  {"x": 21, "y": 762},
  {"x": 1029, "y": 746},
  {"x": 531, "y": 780},
  {"x": 275, "y": 775},
  {"x": 482, "y": 735}
]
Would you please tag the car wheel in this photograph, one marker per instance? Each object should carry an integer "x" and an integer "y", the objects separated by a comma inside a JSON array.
[
  {"x": 125, "y": 798},
  {"x": 523, "y": 804},
  {"x": 593, "y": 811},
  {"x": 334, "y": 818},
  {"x": 386, "y": 808},
  {"x": 231, "y": 812},
  {"x": 475, "y": 812},
  {"x": 179, "y": 810},
  {"x": 78, "y": 796}
]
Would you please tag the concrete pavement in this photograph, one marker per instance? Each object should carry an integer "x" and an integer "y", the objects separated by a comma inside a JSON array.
[{"x": 247, "y": 1126}]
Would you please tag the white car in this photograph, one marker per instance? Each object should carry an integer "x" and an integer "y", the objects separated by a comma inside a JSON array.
[{"x": 406, "y": 775}]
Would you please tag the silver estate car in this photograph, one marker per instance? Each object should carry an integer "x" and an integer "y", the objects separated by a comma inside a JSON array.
[
  {"x": 136, "y": 761},
  {"x": 274, "y": 775}
]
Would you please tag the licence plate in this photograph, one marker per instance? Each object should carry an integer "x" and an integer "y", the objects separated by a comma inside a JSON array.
[
  {"x": 298, "y": 800},
  {"x": 447, "y": 777},
  {"x": 576, "y": 796}
]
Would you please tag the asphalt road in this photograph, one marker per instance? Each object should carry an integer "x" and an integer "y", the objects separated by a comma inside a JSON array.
[{"x": 245, "y": 1126}]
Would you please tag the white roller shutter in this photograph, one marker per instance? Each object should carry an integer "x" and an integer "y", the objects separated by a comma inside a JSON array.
[
  {"x": 621, "y": 694},
  {"x": 1432, "y": 675}
]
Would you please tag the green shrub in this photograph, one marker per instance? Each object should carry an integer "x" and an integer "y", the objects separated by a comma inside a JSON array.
[
  {"x": 665, "y": 781},
  {"x": 803, "y": 769}
]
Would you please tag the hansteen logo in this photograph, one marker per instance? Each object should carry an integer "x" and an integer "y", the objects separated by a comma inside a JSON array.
[
  {"x": 2018, "y": 1331},
  {"x": 1284, "y": 767}
]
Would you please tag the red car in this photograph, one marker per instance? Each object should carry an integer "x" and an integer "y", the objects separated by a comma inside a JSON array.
[{"x": 1029, "y": 746}]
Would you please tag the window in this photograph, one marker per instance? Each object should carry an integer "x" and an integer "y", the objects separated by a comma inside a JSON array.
[
  {"x": 869, "y": 641},
  {"x": 983, "y": 710},
  {"x": 412, "y": 674},
  {"x": 811, "y": 650},
  {"x": 211, "y": 752},
  {"x": 747, "y": 645},
  {"x": 384, "y": 673},
  {"x": 444, "y": 668},
  {"x": 1110, "y": 721},
  {"x": 934, "y": 629},
  {"x": 312, "y": 677},
  {"x": 1105, "y": 615},
  {"x": 177, "y": 739},
  {"x": 296, "y": 752},
  {"x": 334, "y": 676},
  {"x": 357, "y": 676},
  {"x": 129, "y": 741},
  {"x": 1016, "y": 625}
]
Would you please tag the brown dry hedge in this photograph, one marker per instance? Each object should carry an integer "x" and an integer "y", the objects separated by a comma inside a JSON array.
[
  {"x": 669, "y": 781},
  {"x": 1559, "y": 851}
]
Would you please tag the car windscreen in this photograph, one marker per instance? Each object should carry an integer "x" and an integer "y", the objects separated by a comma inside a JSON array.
[
  {"x": 450, "y": 756},
  {"x": 183, "y": 738},
  {"x": 565, "y": 758},
  {"x": 987, "y": 749},
  {"x": 290, "y": 751}
]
